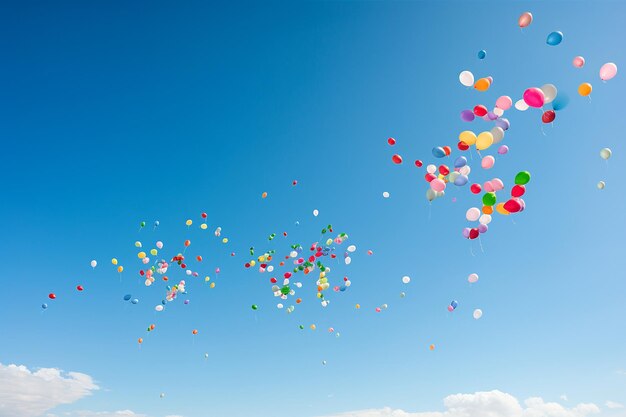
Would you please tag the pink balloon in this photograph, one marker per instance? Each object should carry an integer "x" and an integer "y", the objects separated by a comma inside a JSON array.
[
  {"x": 608, "y": 71},
  {"x": 504, "y": 102},
  {"x": 488, "y": 187},
  {"x": 450, "y": 309},
  {"x": 525, "y": 19},
  {"x": 437, "y": 185},
  {"x": 578, "y": 62},
  {"x": 488, "y": 162},
  {"x": 502, "y": 150},
  {"x": 534, "y": 97},
  {"x": 497, "y": 184}
]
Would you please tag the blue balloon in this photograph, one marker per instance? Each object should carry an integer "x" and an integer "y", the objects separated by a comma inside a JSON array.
[
  {"x": 459, "y": 162},
  {"x": 454, "y": 304},
  {"x": 503, "y": 123},
  {"x": 560, "y": 102},
  {"x": 342, "y": 288},
  {"x": 461, "y": 180},
  {"x": 135, "y": 301},
  {"x": 127, "y": 297},
  {"x": 482, "y": 54},
  {"x": 163, "y": 302},
  {"x": 156, "y": 223},
  {"x": 44, "y": 306},
  {"x": 438, "y": 152},
  {"x": 554, "y": 38}
]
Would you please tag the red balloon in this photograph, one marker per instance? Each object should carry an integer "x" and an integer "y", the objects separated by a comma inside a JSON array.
[
  {"x": 513, "y": 205},
  {"x": 518, "y": 190},
  {"x": 462, "y": 146},
  {"x": 430, "y": 177},
  {"x": 548, "y": 116},
  {"x": 79, "y": 287},
  {"x": 447, "y": 150},
  {"x": 287, "y": 275},
  {"x": 141, "y": 273},
  {"x": 294, "y": 183},
  {"x": 273, "y": 280},
  {"x": 476, "y": 188},
  {"x": 187, "y": 243},
  {"x": 397, "y": 159},
  {"x": 204, "y": 215},
  {"x": 418, "y": 163},
  {"x": 391, "y": 141},
  {"x": 480, "y": 110},
  {"x": 52, "y": 296},
  {"x": 473, "y": 233},
  {"x": 183, "y": 266},
  {"x": 444, "y": 170},
  {"x": 199, "y": 258}
]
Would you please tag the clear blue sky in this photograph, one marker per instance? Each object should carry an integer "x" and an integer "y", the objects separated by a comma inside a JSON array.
[{"x": 116, "y": 112}]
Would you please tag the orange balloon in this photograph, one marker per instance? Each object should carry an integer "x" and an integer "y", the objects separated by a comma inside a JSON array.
[
  {"x": 194, "y": 331},
  {"x": 187, "y": 242},
  {"x": 140, "y": 340},
  {"x": 199, "y": 258},
  {"x": 264, "y": 195},
  {"x": 299, "y": 300},
  {"x": 584, "y": 89},
  {"x": 487, "y": 209},
  {"x": 482, "y": 84},
  {"x": 500, "y": 209},
  {"x": 432, "y": 347}
]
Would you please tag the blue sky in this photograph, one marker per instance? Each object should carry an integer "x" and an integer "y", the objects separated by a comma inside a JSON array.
[{"x": 114, "y": 112}]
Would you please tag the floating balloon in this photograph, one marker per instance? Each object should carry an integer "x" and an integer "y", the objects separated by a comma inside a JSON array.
[
  {"x": 522, "y": 178},
  {"x": 52, "y": 296},
  {"x": 385, "y": 194},
  {"x": 475, "y": 188},
  {"x": 521, "y": 105},
  {"x": 44, "y": 306},
  {"x": 466, "y": 78},
  {"x": 418, "y": 163},
  {"x": 159, "y": 245},
  {"x": 483, "y": 84},
  {"x": 608, "y": 71},
  {"x": 79, "y": 287},
  {"x": 518, "y": 190},
  {"x": 406, "y": 279},
  {"x": 468, "y": 137},
  {"x": 391, "y": 141},
  {"x": 472, "y": 214},
  {"x": 488, "y": 162},
  {"x": 114, "y": 261},
  {"x": 127, "y": 297},
  {"x": 437, "y": 185},
  {"x": 525, "y": 19},
  {"x": 548, "y": 116},
  {"x": 438, "y": 152},
  {"x": 605, "y": 153},
  {"x": 93, "y": 263},
  {"x": 489, "y": 199},
  {"x": 549, "y": 92},
  {"x": 482, "y": 54},
  {"x": 498, "y": 134},
  {"x": 459, "y": 162},
  {"x": 503, "y": 150},
  {"x": 504, "y": 102},
  {"x": 264, "y": 195},
  {"x": 480, "y": 110},
  {"x": 584, "y": 89},
  {"x": 534, "y": 97},
  {"x": 601, "y": 185},
  {"x": 578, "y": 62},
  {"x": 472, "y": 278},
  {"x": 467, "y": 115},
  {"x": 484, "y": 140},
  {"x": 478, "y": 313},
  {"x": 554, "y": 38},
  {"x": 397, "y": 159}
]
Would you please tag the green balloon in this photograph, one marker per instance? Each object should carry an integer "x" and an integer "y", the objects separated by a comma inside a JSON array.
[
  {"x": 143, "y": 224},
  {"x": 301, "y": 327},
  {"x": 255, "y": 307},
  {"x": 522, "y": 177},
  {"x": 285, "y": 290},
  {"x": 489, "y": 199}
]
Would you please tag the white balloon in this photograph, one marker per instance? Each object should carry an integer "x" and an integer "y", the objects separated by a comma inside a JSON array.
[
  {"x": 498, "y": 111},
  {"x": 521, "y": 105},
  {"x": 497, "y": 133},
  {"x": 478, "y": 313},
  {"x": 549, "y": 92},
  {"x": 466, "y": 78},
  {"x": 601, "y": 185},
  {"x": 348, "y": 260},
  {"x": 472, "y": 214},
  {"x": 385, "y": 194},
  {"x": 316, "y": 212},
  {"x": 94, "y": 263},
  {"x": 485, "y": 219},
  {"x": 351, "y": 248},
  {"x": 406, "y": 279},
  {"x": 159, "y": 308},
  {"x": 472, "y": 278},
  {"x": 465, "y": 170},
  {"x": 279, "y": 305},
  {"x": 605, "y": 153},
  {"x": 431, "y": 169}
]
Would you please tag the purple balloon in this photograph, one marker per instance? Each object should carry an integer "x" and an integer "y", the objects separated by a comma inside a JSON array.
[
  {"x": 467, "y": 115},
  {"x": 482, "y": 228},
  {"x": 466, "y": 232},
  {"x": 503, "y": 150},
  {"x": 186, "y": 301},
  {"x": 503, "y": 124},
  {"x": 492, "y": 116}
]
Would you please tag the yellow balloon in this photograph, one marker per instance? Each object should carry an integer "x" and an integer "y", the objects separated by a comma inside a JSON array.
[
  {"x": 153, "y": 252},
  {"x": 468, "y": 137},
  {"x": 203, "y": 226},
  {"x": 120, "y": 269},
  {"x": 137, "y": 244},
  {"x": 212, "y": 285},
  {"x": 225, "y": 240},
  {"x": 114, "y": 261},
  {"x": 484, "y": 140},
  {"x": 329, "y": 242},
  {"x": 584, "y": 89},
  {"x": 500, "y": 209},
  {"x": 252, "y": 263},
  {"x": 313, "y": 327},
  {"x": 207, "y": 279},
  {"x": 188, "y": 222},
  {"x": 141, "y": 255},
  {"x": 482, "y": 84},
  {"x": 358, "y": 306}
]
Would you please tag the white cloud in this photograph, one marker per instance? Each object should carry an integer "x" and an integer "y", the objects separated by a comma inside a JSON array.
[
  {"x": 121, "y": 413},
  {"x": 485, "y": 404},
  {"x": 613, "y": 405},
  {"x": 26, "y": 393}
]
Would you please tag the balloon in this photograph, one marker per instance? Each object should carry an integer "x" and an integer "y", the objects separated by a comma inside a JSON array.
[
  {"x": 141, "y": 255},
  {"x": 194, "y": 331},
  {"x": 437, "y": 185},
  {"x": 503, "y": 150},
  {"x": 444, "y": 170},
  {"x": 431, "y": 347},
  {"x": 462, "y": 146},
  {"x": 467, "y": 115},
  {"x": 482, "y": 54},
  {"x": 255, "y": 307},
  {"x": 465, "y": 170},
  {"x": 534, "y": 97},
  {"x": 438, "y": 152},
  {"x": 554, "y": 38},
  {"x": 460, "y": 181},
  {"x": 483, "y": 84},
  {"x": 189, "y": 222},
  {"x": 578, "y": 62},
  {"x": 498, "y": 111},
  {"x": 522, "y": 178},
  {"x": 93, "y": 263},
  {"x": 560, "y": 102},
  {"x": 397, "y": 159},
  {"x": 478, "y": 313},
  {"x": 472, "y": 278},
  {"x": 500, "y": 209},
  {"x": 142, "y": 224},
  {"x": 264, "y": 195},
  {"x": 466, "y": 232},
  {"x": 316, "y": 212},
  {"x": 518, "y": 190},
  {"x": 549, "y": 92},
  {"x": 431, "y": 169},
  {"x": 472, "y": 214},
  {"x": 584, "y": 89},
  {"x": 480, "y": 110},
  {"x": 134, "y": 301},
  {"x": 475, "y": 188},
  {"x": 484, "y": 219},
  {"x": 127, "y": 297},
  {"x": 159, "y": 308},
  {"x": 605, "y": 153},
  {"x": 459, "y": 162},
  {"x": 484, "y": 140},
  {"x": 52, "y": 296},
  {"x": 601, "y": 185},
  {"x": 513, "y": 205},
  {"x": 120, "y": 269},
  {"x": 473, "y": 233},
  {"x": 391, "y": 141},
  {"x": 608, "y": 71},
  {"x": 498, "y": 134},
  {"x": 159, "y": 245},
  {"x": 525, "y": 19},
  {"x": 406, "y": 279},
  {"x": 466, "y": 78},
  {"x": 548, "y": 116},
  {"x": 418, "y": 163},
  {"x": 497, "y": 184},
  {"x": 504, "y": 102},
  {"x": 454, "y": 304},
  {"x": 489, "y": 199},
  {"x": 430, "y": 194},
  {"x": 44, "y": 306},
  {"x": 385, "y": 194},
  {"x": 114, "y": 261},
  {"x": 521, "y": 105},
  {"x": 140, "y": 340},
  {"x": 488, "y": 162},
  {"x": 468, "y": 137},
  {"x": 156, "y": 223},
  {"x": 79, "y": 287},
  {"x": 491, "y": 116}
]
